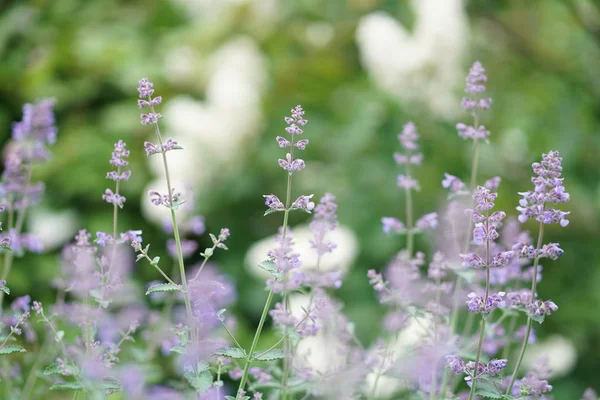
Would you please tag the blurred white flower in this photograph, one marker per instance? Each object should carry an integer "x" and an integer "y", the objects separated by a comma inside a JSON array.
[
  {"x": 557, "y": 350},
  {"x": 342, "y": 257},
  {"x": 425, "y": 64},
  {"x": 215, "y": 132},
  {"x": 181, "y": 64},
  {"x": 319, "y": 34},
  {"x": 44, "y": 224}
]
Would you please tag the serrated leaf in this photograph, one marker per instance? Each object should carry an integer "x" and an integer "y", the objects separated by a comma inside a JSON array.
[
  {"x": 467, "y": 274},
  {"x": 272, "y": 210},
  {"x": 487, "y": 389},
  {"x": 163, "y": 287},
  {"x": 232, "y": 352},
  {"x": 299, "y": 209},
  {"x": 111, "y": 386},
  {"x": 178, "y": 349},
  {"x": 11, "y": 348},
  {"x": 537, "y": 318},
  {"x": 64, "y": 370},
  {"x": 270, "y": 267},
  {"x": 66, "y": 386},
  {"x": 273, "y": 354},
  {"x": 201, "y": 381}
]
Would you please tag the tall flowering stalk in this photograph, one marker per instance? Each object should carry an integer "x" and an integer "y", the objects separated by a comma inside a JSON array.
[
  {"x": 473, "y": 103},
  {"x": 410, "y": 157},
  {"x": 29, "y": 146},
  {"x": 282, "y": 258},
  {"x": 172, "y": 200},
  {"x": 484, "y": 235},
  {"x": 535, "y": 204},
  {"x": 408, "y": 140}
]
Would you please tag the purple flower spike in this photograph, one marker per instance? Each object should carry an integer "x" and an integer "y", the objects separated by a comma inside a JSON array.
[{"x": 392, "y": 225}]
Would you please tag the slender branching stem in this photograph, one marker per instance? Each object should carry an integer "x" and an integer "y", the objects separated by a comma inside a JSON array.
[
  {"x": 483, "y": 316},
  {"x": 9, "y": 256},
  {"x": 184, "y": 285},
  {"x": 528, "y": 328},
  {"x": 270, "y": 296}
]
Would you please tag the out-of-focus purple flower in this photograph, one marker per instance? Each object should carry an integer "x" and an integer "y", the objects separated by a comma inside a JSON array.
[
  {"x": 407, "y": 182},
  {"x": 456, "y": 364},
  {"x": 113, "y": 198},
  {"x": 493, "y": 184},
  {"x": 188, "y": 247},
  {"x": 453, "y": 183},
  {"x": 469, "y": 132},
  {"x": 540, "y": 307},
  {"x": 495, "y": 366},
  {"x": 273, "y": 202},
  {"x": 392, "y": 225},
  {"x": 291, "y": 165},
  {"x": 35, "y": 131},
  {"x": 589, "y": 394},
  {"x": 169, "y": 145},
  {"x": 480, "y": 305},
  {"x": 376, "y": 280},
  {"x": 324, "y": 220},
  {"x": 427, "y": 221},
  {"x": 303, "y": 203},
  {"x": 224, "y": 234},
  {"x": 103, "y": 238},
  {"x": 471, "y": 260}
]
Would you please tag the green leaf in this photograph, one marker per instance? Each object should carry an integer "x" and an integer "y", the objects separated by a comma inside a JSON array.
[
  {"x": 5, "y": 289},
  {"x": 273, "y": 210},
  {"x": 271, "y": 268},
  {"x": 487, "y": 389},
  {"x": 201, "y": 380},
  {"x": 221, "y": 314},
  {"x": 64, "y": 370},
  {"x": 111, "y": 386},
  {"x": 296, "y": 208},
  {"x": 233, "y": 352},
  {"x": 66, "y": 386},
  {"x": 273, "y": 354},
  {"x": 213, "y": 238},
  {"x": 537, "y": 318},
  {"x": 155, "y": 260},
  {"x": 239, "y": 398},
  {"x": 11, "y": 348},
  {"x": 163, "y": 287},
  {"x": 467, "y": 274},
  {"x": 178, "y": 349}
]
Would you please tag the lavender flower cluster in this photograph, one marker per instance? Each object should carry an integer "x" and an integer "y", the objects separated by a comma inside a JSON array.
[{"x": 451, "y": 322}]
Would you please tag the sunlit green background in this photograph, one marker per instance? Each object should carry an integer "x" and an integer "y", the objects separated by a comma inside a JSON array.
[{"x": 230, "y": 70}]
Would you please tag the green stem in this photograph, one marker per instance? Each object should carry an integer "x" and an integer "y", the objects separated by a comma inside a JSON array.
[
  {"x": 477, "y": 358},
  {"x": 116, "y": 207},
  {"x": 261, "y": 323},
  {"x": 533, "y": 296},
  {"x": 409, "y": 211},
  {"x": 267, "y": 307},
  {"x": 459, "y": 280},
  {"x": 9, "y": 255},
  {"x": 186, "y": 294}
]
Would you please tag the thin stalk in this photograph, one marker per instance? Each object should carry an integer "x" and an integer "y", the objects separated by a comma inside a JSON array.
[
  {"x": 33, "y": 372},
  {"x": 433, "y": 388},
  {"x": 9, "y": 255},
  {"x": 459, "y": 280},
  {"x": 116, "y": 207},
  {"x": 184, "y": 286},
  {"x": 267, "y": 307},
  {"x": 477, "y": 358},
  {"x": 261, "y": 323},
  {"x": 533, "y": 296},
  {"x": 409, "y": 211}
]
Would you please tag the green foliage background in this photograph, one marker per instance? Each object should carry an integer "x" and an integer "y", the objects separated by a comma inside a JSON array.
[{"x": 542, "y": 58}]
